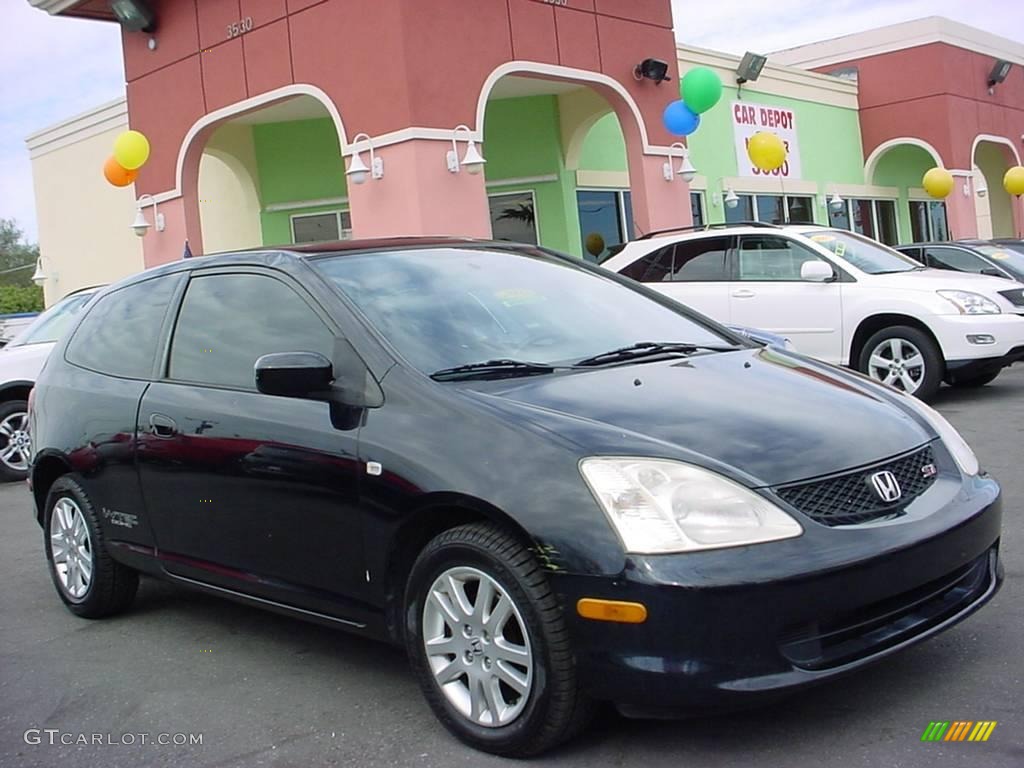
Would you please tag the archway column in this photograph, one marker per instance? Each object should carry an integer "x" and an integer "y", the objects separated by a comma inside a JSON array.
[{"x": 960, "y": 208}]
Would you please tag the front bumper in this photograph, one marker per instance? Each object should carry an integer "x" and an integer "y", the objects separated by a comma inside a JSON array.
[
  {"x": 952, "y": 332},
  {"x": 965, "y": 369},
  {"x": 731, "y": 628}
]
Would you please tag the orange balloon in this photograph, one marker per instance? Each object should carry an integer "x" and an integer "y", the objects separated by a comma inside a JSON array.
[{"x": 117, "y": 174}]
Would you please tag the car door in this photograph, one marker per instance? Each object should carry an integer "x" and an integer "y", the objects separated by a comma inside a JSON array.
[
  {"x": 959, "y": 259},
  {"x": 767, "y": 292},
  {"x": 250, "y": 491},
  {"x": 692, "y": 272}
]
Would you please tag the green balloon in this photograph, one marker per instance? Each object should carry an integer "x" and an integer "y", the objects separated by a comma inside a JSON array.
[{"x": 701, "y": 89}]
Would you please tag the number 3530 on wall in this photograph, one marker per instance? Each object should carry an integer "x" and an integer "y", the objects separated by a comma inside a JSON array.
[{"x": 239, "y": 27}]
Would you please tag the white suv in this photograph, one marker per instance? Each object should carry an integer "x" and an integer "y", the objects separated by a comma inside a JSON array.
[
  {"x": 842, "y": 298},
  {"x": 20, "y": 363}
]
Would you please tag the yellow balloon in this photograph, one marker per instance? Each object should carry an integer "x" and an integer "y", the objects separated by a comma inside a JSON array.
[
  {"x": 938, "y": 183},
  {"x": 766, "y": 151},
  {"x": 1013, "y": 181},
  {"x": 131, "y": 149}
]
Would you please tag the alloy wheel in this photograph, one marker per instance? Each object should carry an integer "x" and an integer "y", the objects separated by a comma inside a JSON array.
[
  {"x": 898, "y": 363},
  {"x": 15, "y": 445},
  {"x": 71, "y": 548},
  {"x": 477, "y": 647}
]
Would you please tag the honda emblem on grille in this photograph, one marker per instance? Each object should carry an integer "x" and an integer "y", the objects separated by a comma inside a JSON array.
[{"x": 886, "y": 486}]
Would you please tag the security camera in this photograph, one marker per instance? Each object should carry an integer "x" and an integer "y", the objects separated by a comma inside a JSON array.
[{"x": 652, "y": 69}]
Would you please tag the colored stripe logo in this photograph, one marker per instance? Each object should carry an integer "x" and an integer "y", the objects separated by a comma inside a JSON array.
[{"x": 959, "y": 730}]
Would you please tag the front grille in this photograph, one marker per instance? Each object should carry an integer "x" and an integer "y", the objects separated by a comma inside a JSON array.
[
  {"x": 850, "y": 498},
  {"x": 1015, "y": 297}
]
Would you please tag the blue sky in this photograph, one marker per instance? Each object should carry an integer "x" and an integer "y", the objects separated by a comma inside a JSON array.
[{"x": 54, "y": 68}]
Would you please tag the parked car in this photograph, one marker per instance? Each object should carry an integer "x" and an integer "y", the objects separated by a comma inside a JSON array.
[
  {"x": 14, "y": 323},
  {"x": 981, "y": 257},
  {"x": 842, "y": 298},
  {"x": 477, "y": 450},
  {"x": 21, "y": 359}
]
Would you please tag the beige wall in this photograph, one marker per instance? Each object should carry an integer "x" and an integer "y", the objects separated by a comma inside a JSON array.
[
  {"x": 85, "y": 237},
  {"x": 229, "y": 203}
]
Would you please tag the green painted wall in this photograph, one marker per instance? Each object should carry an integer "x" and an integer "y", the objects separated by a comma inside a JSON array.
[
  {"x": 522, "y": 139},
  {"x": 904, "y": 167},
  {"x": 298, "y": 160}
]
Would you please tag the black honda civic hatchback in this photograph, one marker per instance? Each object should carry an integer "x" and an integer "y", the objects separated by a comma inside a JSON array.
[{"x": 553, "y": 486}]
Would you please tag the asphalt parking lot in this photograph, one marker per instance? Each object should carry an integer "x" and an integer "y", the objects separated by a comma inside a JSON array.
[{"x": 273, "y": 691}]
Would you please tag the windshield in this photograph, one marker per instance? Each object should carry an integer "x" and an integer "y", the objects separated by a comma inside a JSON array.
[
  {"x": 865, "y": 254},
  {"x": 445, "y": 307},
  {"x": 53, "y": 323},
  {"x": 1005, "y": 256}
]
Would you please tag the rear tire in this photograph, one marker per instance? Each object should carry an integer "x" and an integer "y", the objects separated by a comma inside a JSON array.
[
  {"x": 905, "y": 358},
  {"x": 973, "y": 382},
  {"x": 91, "y": 583},
  {"x": 14, "y": 441},
  {"x": 508, "y": 685}
]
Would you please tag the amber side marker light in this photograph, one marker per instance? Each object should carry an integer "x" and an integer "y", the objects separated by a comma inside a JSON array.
[{"x": 611, "y": 610}]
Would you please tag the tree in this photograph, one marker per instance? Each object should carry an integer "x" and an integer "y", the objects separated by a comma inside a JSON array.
[
  {"x": 17, "y": 263},
  {"x": 17, "y": 258}
]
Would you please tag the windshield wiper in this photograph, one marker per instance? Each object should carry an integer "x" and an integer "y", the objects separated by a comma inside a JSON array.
[
  {"x": 494, "y": 369},
  {"x": 650, "y": 349}
]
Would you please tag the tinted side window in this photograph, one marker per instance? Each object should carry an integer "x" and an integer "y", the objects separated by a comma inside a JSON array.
[
  {"x": 701, "y": 260},
  {"x": 769, "y": 257},
  {"x": 914, "y": 253},
  {"x": 954, "y": 258},
  {"x": 119, "y": 335},
  {"x": 227, "y": 322},
  {"x": 653, "y": 268}
]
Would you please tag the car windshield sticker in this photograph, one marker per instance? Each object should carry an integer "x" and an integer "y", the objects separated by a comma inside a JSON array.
[
  {"x": 1000, "y": 255},
  {"x": 840, "y": 249},
  {"x": 512, "y": 297}
]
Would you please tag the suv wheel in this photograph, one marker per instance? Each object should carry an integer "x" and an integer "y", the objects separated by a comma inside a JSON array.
[
  {"x": 489, "y": 645},
  {"x": 88, "y": 580},
  {"x": 904, "y": 358},
  {"x": 15, "y": 446}
]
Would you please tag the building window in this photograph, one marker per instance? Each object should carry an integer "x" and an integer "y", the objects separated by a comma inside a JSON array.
[
  {"x": 769, "y": 209},
  {"x": 928, "y": 220},
  {"x": 872, "y": 218},
  {"x": 697, "y": 209},
  {"x": 514, "y": 217},
  {"x": 321, "y": 227},
  {"x": 605, "y": 213}
]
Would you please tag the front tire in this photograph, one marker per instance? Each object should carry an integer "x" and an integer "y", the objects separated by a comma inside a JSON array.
[
  {"x": 905, "y": 358},
  {"x": 15, "y": 446},
  {"x": 91, "y": 583},
  {"x": 488, "y": 644}
]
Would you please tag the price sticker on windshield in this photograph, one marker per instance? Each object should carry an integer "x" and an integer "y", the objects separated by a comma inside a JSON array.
[{"x": 1001, "y": 255}]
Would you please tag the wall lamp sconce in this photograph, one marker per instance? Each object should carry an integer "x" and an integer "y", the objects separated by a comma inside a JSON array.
[
  {"x": 998, "y": 74},
  {"x": 835, "y": 203},
  {"x": 652, "y": 69},
  {"x": 133, "y": 15},
  {"x": 472, "y": 161},
  {"x": 981, "y": 188},
  {"x": 140, "y": 225},
  {"x": 39, "y": 277},
  {"x": 357, "y": 170},
  {"x": 750, "y": 67},
  {"x": 686, "y": 169}
]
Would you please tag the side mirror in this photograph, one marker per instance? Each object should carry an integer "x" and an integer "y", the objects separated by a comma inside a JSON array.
[
  {"x": 815, "y": 271},
  {"x": 294, "y": 374}
]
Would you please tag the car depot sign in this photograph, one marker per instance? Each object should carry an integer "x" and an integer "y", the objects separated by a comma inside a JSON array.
[{"x": 748, "y": 119}]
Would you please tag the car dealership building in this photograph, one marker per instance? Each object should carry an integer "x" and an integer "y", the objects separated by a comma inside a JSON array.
[{"x": 256, "y": 110}]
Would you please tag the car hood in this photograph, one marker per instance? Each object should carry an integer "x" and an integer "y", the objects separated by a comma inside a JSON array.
[
  {"x": 764, "y": 416},
  {"x": 945, "y": 280},
  {"x": 23, "y": 363}
]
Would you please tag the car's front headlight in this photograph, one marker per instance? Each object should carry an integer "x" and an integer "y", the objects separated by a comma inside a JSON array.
[
  {"x": 658, "y": 506},
  {"x": 968, "y": 303},
  {"x": 962, "y": 453}
]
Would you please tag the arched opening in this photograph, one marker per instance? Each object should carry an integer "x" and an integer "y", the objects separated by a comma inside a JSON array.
[
  {"x": 992, "y": 157},
  {"x": 902, "y": 164},
  {"x": 560, "y": 149},
  {"x": 265, "y": 174}
]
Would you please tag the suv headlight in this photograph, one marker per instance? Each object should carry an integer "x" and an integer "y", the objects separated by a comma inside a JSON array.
[
  {"x": 659, "y": 506},
  {"x": 971, "y": 303},
  {"x": 962, "y": 453}
]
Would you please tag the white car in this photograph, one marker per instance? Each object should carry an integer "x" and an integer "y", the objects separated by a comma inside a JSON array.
[
  {"x": 842, "y": 298},
  {"x": 20, "y": 363}
]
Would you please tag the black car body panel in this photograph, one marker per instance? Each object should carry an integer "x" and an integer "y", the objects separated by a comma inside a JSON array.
[{"x": 304, "y": 507}]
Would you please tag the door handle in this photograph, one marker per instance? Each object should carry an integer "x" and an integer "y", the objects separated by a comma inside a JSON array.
[
  {"x": 163, "y": 426},
  {"x": 743, "y": 293}
]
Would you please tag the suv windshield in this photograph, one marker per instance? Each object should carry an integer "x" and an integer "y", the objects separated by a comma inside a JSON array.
[
  {"x": 1007, "y": 258},
  {"x": 447, "y": 307},
  {"x": 54, "y": 322},
  {"x": 865, "y": 254}
]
